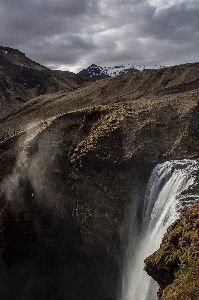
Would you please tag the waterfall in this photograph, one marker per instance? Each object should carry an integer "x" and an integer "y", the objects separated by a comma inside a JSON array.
[{"x": 171, "y": 187}]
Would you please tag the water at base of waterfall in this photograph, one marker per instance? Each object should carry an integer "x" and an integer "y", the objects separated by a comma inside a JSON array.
[{"x": 171, "y": 187}]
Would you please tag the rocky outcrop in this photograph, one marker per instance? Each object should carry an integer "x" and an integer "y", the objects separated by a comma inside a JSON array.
[
  {"x": 71, "y": 165},
  {"x": 175, "y": 266}
]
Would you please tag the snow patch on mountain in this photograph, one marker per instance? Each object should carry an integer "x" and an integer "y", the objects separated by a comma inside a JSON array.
[{"x": 98, "y": 72}]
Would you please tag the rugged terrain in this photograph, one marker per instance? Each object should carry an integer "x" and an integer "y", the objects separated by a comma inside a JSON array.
[
  {"x": 175, "y": 266},
  {"x": 22, "y": 79},
  {"x": 71, "y": 164}
]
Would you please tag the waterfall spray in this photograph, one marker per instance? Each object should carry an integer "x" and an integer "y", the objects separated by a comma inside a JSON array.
[{"x": 169, "y": 190}]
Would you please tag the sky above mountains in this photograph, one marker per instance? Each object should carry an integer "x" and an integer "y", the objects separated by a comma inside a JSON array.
[{"x": 72, "y": 34}]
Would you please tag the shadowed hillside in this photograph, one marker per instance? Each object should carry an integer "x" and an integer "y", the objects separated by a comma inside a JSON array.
[{"x": 22, "y": 79}]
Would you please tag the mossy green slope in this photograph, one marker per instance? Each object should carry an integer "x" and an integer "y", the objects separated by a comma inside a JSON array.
[{"x": 175, "y": 266}]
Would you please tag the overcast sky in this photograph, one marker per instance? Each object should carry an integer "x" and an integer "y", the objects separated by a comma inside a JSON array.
[{"x": 72, "y": 34}]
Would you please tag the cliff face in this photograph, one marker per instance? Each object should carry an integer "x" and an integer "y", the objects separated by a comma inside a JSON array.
[
  {"x": 175, "y": 266},
  {"x": 71, "y": 164}
]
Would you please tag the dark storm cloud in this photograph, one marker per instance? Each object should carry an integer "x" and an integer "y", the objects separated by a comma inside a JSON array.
[
  {"x": 175, "y": 23},
  {"x": 69, "y": 33},
  {"x": 44, "y": 18}
]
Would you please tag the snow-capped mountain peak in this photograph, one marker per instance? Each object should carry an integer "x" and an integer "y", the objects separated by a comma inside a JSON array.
[{"x": 97, "y": 72}]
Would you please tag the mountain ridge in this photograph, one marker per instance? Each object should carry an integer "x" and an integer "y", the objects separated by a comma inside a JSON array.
[
  {"x": 97, "y": 72},
  {"x": 22, "y": 79}
]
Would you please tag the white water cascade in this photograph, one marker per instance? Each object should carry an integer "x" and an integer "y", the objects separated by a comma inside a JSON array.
[{"x": 171, "y": 187}]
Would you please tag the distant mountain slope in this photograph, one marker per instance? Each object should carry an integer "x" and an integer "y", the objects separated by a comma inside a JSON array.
[
  {"x": 97, "y": 72},
  {"x": 22, "y": 79}
]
